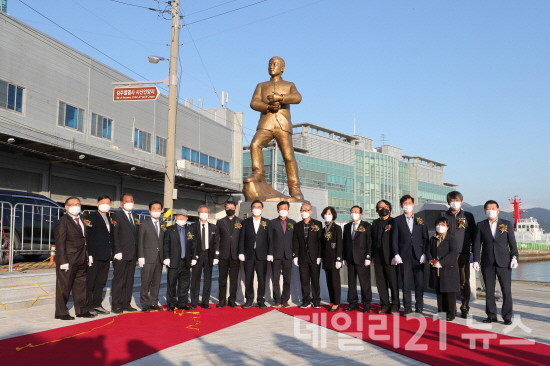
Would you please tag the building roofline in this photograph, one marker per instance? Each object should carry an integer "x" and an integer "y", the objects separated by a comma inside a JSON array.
[
  {"x": 327, "y": 130},
  {"x": 424, "y": 159}
]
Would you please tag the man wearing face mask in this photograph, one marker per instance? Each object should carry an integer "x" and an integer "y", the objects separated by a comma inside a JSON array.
[
  {"x": 207, "y": 251},
  {"x": 495, "y": 245},
  {"x": 463, "y": 229},
  {"x": 100, "y": 238},
  {"x": 253, "y": 250},
  {"x": 179, "y": 245},
  {"x": 71, "y": 262},
  {"x": 409, "y": 242},
  {"x": 386, "y": 274},
  {"x": 281, "y": 230},
  {"x": 150, "y": 256},
  {"x": 124, "y": 259},
  {"x": 230, "y": 230},
  {"x": 306, "y": 250},
  {"x": 357, "y": 257}
]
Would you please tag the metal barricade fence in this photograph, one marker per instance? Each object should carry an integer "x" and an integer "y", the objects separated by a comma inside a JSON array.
[{"x": 6, "y": 209}]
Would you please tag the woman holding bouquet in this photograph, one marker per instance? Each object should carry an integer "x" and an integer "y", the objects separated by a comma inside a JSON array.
[
  {"x": 331, "y": 254},
  {"x": 442, "y": 255}
]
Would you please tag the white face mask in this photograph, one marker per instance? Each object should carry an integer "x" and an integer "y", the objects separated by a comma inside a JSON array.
[
  {"x": 441, "y": 229},
  {"x": 74, "y": 210},
  {"x": 155, "y": 214},
  {"x": 455, "y": 205},
  {"x": 128, "y": 206},
  {"x": 408, "y": 209},
  {"x": 491, "y": 214},
  {"x": 328, "y": 218},
  {"x": 304, "y": 214},
  {"x": 181, "y": 222},
  {"x": 203, "y": 216},
  {"x": 283, "y": 213},
  {"x": 355, "y": 216},
  {"x": 104, "y": 207},
  {"x": 257, "y": 212}
]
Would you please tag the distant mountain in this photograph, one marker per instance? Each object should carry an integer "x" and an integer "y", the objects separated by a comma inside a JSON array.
[{"x": 541, "y": 214}]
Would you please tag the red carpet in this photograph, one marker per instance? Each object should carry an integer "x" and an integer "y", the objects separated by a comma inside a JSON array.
[
  {"x": 420, "y": 339},
  {"x": 119, "y": 339}
]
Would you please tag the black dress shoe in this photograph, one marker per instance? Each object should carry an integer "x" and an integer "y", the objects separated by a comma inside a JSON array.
[
  {"x": 129, "y": 308},
  {"x": 117, "y": 310},
  {"x": 206, "y": 306},
  {"x": 172, "y": 308},
  {"x": 101, "y": 310},
  {"x": 464, "y": 314},
  {"x": 191, "y": 306},
  {"x": 64, "y": 317},
  {"x": 316, "y": 305},
  {"x": 86, "y": 315},
  {"x": 507, "y": 322},
  {"x": 156, "y": 307},
  {"x": 351, "y": 307},
  {"x": 277, "y": 304},
  {"x": 146, "y": 309},
  {"x": 450, "y": 318},
  {"x": 247, "y": 304},
  {"x": 366, "y": 308},
  {"x": 262, "y": 305},
  {"x": 407, "y": 311},
  {"x": 384, "y": 310},
  {"x": 333, "y": 308},
  {"x": 305, "y": 305},
  {"x": 489, "y": 320},
  {"x": 285, "y": 304},
  {"x": 394, "y": 310},
  {"x": 222, "y": 304},
  {"x": 232, "y": 304},
  {"x": 419, "y": 311}
]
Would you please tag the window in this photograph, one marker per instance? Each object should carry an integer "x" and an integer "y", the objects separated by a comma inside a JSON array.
[
  {"x": 142, "y": 140},
  {"x": 102, "y": 126},
  {"x": 219, "y": 164},
  {"x": 194, "y": 156},
  {"x": 70, "y": 116},
  {"x": 11, "y": 96},
  {"x": 226, "y": 166},
  {"x": 186, "y": 153},
  {"x": 204, "y": 159},
  {"x": 160, "y": 146},
  {"x": 212, "y": 162}
]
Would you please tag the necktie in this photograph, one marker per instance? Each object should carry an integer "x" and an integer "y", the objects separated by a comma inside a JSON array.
[
  {"x": 353, "y": 229},
  {"x": 157, "y": 227},
  {"x": 77, "y": 222},
  {"x": 130, "y": 218},
  {"x": 203, "y": 238}
]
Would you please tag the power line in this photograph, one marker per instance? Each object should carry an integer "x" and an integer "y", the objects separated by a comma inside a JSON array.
[
  {"x": 227, "y": 12},
  {"x": 212, "y": 7},
  {"x": 137, "y": 6}
]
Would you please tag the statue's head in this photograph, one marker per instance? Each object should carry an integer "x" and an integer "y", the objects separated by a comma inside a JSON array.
[{"x": 276, "y": 66}]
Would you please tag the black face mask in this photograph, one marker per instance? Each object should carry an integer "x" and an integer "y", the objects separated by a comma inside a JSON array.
[
  {"x": 383, "y": 212},
  {"x": 230, "y": 212}
]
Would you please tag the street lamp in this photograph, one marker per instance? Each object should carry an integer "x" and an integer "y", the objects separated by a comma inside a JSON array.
[{"x": 156, "y": 59}]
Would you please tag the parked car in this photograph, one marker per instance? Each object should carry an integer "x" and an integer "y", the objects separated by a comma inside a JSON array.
[{"x": 32, "y": 217}]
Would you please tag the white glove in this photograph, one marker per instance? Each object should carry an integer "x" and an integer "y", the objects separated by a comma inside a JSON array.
[
  {"x": 338, "y": 265},
  {"x": 438, "y": 265},
  {"x": 64, "y": 267},
  {"x": 423, "y": 259},
  {"x": 345, "y": 262},
  {"x": 270, "y": 258},
  {"x": 471, "y": 257},
  {"x": 318, "y": 261},
  {"x": 141, "y": 262},
  {"x": 476, "y": 266},
  {"x": 90, "y": 260},
  {"x": 514, "y": 263},
  {"x": 295, "y": 260},
  {"x": 118, "y": 256},
  {"x": 367, "y": 262},
  {"x": 166, "y": 262},
  {"x": 396, "y": 260},
  {"x": 241, "y": 257},
  {"x": 216, "y": 261},
  {"x": 193, "y": 262}
]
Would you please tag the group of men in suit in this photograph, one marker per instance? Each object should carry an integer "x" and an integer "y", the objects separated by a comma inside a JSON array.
[{"x": 397, "y": 245}]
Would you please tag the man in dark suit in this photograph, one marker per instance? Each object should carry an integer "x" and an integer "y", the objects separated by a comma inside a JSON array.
[
  {"x": 150, "y": 256},
  {"x": 100, "y": 238},
  {"x": 386, "y": 274},
  {"x": 124, "y": 260},
  {"x": 409, "y": 242},
  {"x": 179, "y": 246},
  {"x": 71, "y": 261},
  {"x": 462, "y": 227},
  {"x": 230, "y": 230},
  {"x": 207, "y": 251},
  {"x": 280, "y": 233},
  {"x": 253, "y": 248},
  {"x": 495, "y": 245},
  {"x": 357, "y": 257},
  {"x": 306, "y": 251}
]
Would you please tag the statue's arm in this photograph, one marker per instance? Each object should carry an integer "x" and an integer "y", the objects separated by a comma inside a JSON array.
[
  {"x": 293, "y": 97},
  {"x": 256, "y": 103}
]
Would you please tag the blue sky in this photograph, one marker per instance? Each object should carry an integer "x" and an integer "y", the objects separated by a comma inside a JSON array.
[{"x": 466, "y": 83}]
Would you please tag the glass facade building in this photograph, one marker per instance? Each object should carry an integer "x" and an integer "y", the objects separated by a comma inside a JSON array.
[{"x": 353, "y": 172}]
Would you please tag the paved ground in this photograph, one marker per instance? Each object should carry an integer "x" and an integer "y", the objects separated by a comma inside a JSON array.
[{"x": 279, "y": 342}]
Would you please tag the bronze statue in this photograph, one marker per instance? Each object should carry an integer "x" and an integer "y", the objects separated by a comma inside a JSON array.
[{"x": 272, "y": 99}]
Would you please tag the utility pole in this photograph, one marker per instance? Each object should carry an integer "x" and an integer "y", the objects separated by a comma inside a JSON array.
[{"x": 170, "y": 169}]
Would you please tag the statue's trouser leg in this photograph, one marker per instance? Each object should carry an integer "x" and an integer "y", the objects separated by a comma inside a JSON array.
[
  {"x": 260, "y": 140},
  {"x": 284, "y": 139}
]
